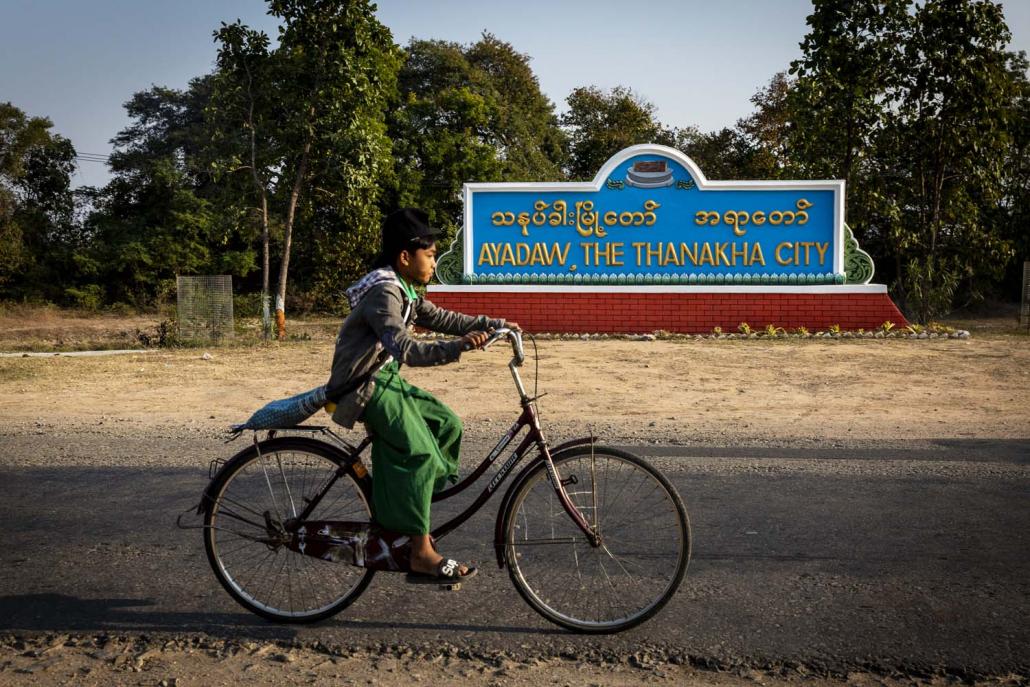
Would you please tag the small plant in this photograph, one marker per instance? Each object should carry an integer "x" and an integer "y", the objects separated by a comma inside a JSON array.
[
  {"x": 773, "y": 331},
  {"x": 162, "y": 336},
  {"x": 938, "y": 328},
  {"x": 716, "y": 330},
  {"x": 802, "y": 331},
  {"x": 861, "y": 331},
  {"x": 835, "y": 329},
  {"x": 744, "y": 328},
  {"x": 915, "y": 328},
  {"x": 886, "y": 326}
]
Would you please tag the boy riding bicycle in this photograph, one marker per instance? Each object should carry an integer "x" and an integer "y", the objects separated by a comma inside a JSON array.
[{"x": 416, "y": 439}]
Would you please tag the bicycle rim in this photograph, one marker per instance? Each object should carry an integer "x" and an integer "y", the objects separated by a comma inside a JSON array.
[
  {"x": 645, "y": 550},
  {"x": 274, "y": 581}
]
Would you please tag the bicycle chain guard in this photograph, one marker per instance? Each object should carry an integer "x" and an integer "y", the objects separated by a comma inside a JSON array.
[{"x": 362, "y": 544}]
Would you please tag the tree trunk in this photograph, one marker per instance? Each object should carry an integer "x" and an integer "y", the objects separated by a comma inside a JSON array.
[
  {"x": 284, "y": 266},
  {"x": 262, "y": 189},
  {"x": 266, "y": 324}
]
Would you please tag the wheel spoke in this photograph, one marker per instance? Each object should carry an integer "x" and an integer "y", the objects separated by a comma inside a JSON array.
[
  {"x": 269, "y": 578},
  {"x": 645, "y": 542}
]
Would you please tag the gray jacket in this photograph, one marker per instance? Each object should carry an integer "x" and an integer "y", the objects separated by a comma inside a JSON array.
[{"x": 376, "y": 330}]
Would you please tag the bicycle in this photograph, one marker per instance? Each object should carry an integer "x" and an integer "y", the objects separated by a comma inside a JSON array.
[{"x": 594, "y": 539}]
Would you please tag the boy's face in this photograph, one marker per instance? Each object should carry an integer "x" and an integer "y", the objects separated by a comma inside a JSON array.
[{"x": 417, "y": 267}]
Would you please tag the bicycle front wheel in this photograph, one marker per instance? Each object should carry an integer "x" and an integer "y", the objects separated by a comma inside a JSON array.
[
  {"x": 645, "y": 541},
  {"x": 252, "y": 500}
]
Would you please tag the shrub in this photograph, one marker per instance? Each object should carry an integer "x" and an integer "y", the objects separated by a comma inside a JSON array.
[{"x": 89, "y": 297}]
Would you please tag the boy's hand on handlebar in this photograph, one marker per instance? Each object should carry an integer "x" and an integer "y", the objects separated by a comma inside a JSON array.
[
  {"x": 474, "y": 340},
  {"x": 513, "y": 325}
]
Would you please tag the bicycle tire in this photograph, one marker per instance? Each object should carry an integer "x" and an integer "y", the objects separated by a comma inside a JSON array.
[
  {"x": 565, "y": 579},
  {"x": 276, "y": 473}
]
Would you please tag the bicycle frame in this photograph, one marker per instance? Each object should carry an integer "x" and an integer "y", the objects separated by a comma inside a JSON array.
[{"x": 535, "y": 437}]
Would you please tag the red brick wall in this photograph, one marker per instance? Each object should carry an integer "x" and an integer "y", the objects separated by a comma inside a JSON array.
[{"x": 623, "y": 312}]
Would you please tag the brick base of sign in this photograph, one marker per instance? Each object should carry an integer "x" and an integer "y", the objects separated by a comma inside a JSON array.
[{"x": 642, "y": 309}]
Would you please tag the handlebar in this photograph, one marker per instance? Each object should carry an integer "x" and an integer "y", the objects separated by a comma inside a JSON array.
[{"x": 514, "y": 336}]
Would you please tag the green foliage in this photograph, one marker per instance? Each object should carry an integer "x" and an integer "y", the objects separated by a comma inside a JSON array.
[
  {"x": 744, "y": 328},
  {"x": 36, "y": 206},
  {"x": 469, "y": 113},
  {"x": 305, "y": 125},
  {"x": 758, "y": 147},
  {"x": 88, "y": 297},
  {"x": 287, "y": 155},
  {"x": 601, "y": 124},
  {"x": 916, "y": 108}
]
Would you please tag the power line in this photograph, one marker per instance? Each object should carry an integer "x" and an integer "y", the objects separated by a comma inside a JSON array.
[{"x": 93, "y": 157}]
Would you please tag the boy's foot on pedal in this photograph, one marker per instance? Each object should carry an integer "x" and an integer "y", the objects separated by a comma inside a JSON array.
[
  {"x": 447, "y": 570},
  {"x": 428, "y": 565}
]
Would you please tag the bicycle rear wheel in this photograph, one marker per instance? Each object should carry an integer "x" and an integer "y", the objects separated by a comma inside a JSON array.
[
  {"x": 262, "y": 491},
  {"x": 645, "y": 541}
]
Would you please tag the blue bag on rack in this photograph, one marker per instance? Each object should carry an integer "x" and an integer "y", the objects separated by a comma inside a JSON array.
[{"x": 286, "y": 412}]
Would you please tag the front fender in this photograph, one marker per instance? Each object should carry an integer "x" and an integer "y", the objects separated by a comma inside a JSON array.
[{"x": 556, "y": 453}]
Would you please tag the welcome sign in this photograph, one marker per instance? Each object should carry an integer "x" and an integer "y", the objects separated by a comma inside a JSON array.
[{"x": 651, "y": 217}]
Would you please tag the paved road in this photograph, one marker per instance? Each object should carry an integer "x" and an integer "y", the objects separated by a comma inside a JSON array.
[{"x": 900, "y": 560}]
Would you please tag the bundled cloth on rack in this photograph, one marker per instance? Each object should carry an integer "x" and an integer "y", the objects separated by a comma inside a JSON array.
[{"x": 286, "y": 412}]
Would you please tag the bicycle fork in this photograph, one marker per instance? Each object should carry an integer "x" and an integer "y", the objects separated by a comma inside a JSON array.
[{"x": 592, "y": 532}]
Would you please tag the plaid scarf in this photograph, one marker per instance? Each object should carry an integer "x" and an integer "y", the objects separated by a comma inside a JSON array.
[{"x": 359, "y": 288}]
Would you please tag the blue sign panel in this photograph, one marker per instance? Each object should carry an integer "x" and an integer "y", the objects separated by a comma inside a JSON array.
[{"x": 650, "y": 213}]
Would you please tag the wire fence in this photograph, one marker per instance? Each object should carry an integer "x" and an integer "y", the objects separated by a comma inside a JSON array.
[{"x": 205, "y": 307}]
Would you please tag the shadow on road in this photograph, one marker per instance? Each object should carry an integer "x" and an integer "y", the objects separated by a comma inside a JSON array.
[{"x": 63, "y": 613}]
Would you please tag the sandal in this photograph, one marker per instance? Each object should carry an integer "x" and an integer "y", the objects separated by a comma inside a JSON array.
[{"x": 447, "y": 570}]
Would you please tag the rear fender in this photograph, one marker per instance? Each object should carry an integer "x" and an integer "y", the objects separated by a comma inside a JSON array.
[
  {"x": 335, "y": 453},
  {"x": 556, "y": 453}
]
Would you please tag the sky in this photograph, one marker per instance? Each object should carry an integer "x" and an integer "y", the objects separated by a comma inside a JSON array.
[{"x": 699, "y": 62}]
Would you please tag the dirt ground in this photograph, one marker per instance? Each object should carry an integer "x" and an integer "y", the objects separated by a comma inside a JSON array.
[
  {"x": 775, "y": 392},
  {"x": 186, "y": 662},
  {"x": 686, "y": 391}
]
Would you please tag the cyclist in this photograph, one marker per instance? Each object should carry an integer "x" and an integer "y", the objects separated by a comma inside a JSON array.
[{"x": 415, "y": 438}]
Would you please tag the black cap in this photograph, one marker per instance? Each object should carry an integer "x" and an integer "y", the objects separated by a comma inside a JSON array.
[{"x": 399, "y": 229}]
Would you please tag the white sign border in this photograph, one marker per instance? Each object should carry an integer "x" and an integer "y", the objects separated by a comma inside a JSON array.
[{"x": 835, "y": 185}]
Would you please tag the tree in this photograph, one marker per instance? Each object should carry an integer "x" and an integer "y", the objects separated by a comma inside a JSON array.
[
  {"x": 916, "y": 107},
  {"x": 841, "y": 100},
  {"x": 524, "y": 127},
  {"x": 162, "y": 214},
  {"x": 243, "y": 117},
  {"x": 469, "y": 113},
  {"x": 329, "y": 81},
  {"x": 1012, "y": 214},
  {"x": 848, "y": 63},
  {"x": 36, "y": 203},
  {"x": 600, "y": 124},
  {"x": 951, "y": 138}
]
